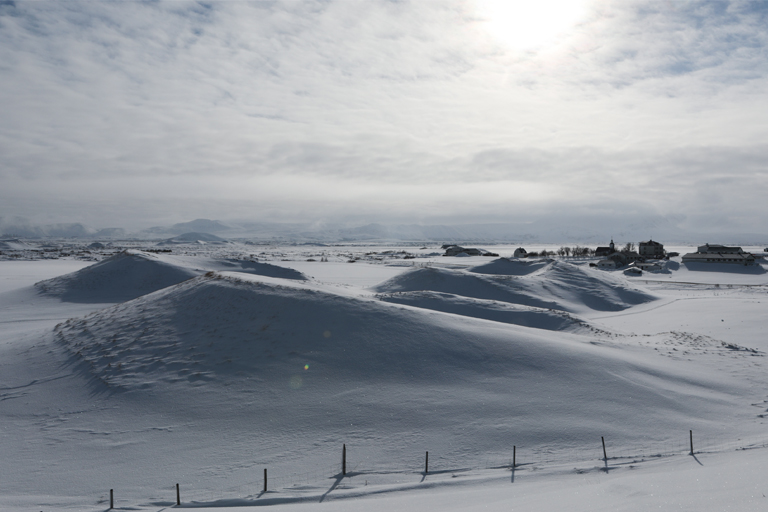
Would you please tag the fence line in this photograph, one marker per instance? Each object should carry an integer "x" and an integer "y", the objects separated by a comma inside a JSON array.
[{"x": 535, "y": 458}]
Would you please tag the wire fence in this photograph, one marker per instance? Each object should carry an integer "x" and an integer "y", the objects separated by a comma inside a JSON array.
[{"x": 320, "y": 481}]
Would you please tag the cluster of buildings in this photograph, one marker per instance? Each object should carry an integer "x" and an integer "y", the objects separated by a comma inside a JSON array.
[
  {"x": 647, "y": 257},
  {"x": 651, "y": 250},
  {"x": 638, "y": 260}
]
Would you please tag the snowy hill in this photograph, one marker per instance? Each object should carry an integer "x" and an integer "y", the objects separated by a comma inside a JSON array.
[
  {"x": 510, "y": 267},
  {"x": 343, "y": 360},
  {"x": 552, "y": 285},
  {"x": 124, "y": 276},
  {"x": 131, "y": 274}
]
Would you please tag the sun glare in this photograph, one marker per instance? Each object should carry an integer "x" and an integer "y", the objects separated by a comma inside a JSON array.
[{"x": 529, "y": 24}]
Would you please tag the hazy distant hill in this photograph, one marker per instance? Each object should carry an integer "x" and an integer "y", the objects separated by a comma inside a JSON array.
[{"x": 553, "y": 229}]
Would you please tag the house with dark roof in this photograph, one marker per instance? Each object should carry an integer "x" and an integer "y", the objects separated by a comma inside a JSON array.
[
  {"x": 651, "y": 250},
  {"x": 605, "y": 251}
]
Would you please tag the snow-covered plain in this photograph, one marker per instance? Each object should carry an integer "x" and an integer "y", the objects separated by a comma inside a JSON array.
[{"x": 204, "y": 366}]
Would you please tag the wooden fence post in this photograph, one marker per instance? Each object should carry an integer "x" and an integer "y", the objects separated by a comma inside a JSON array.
[
  {"x": 344, "y": 460},
  {"x": 605, "y": 455},
  {"x": 691, "y": 434},
  {"x": 514, "y": 456},
  {"x": 426, "y": 464},
  {"x": 265, "y": 479},
  {"x": 178, "y": 495},
  {"x": 111, "y": 499}
]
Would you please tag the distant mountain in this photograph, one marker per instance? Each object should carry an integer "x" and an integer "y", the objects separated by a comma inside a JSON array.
[
  {"x": 22, "y": 228},
  {"x": 195, "y": 226},
  {"x": 194, "y": 238},
  {"x": 554, "y": 228},
  {"x": 111, "y": 233}
]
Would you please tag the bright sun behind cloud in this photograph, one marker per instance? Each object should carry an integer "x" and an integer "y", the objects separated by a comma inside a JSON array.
[{"x": 530, "y": 24}]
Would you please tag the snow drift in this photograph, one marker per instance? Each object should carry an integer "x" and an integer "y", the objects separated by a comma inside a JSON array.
[
  {"x": 131, "y": 274},
  {"x": 312, "y": 362},
  {"x": 510, "y": 267},
  {"x": 124, "y": 276},
  {"x": 555, "y": 285},
  {"x": 528, "y": 316}
]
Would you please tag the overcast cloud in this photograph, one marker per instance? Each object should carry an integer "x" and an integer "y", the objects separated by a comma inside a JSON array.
[{"x": 140, "y": 113}]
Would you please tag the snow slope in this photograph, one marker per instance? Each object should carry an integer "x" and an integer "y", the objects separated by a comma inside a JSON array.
[
  {"x": 555, "y": 285},
  {"x": 131, "y": 274},
  {"x": 528, "y": 316},
  {"x": 124, "y": 276},
  {"x": 510, "y": 267},
  {"x": 386, "y": 368}
]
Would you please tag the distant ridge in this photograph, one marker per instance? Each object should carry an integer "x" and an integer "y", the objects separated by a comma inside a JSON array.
[{"x": 194, "y": 238}]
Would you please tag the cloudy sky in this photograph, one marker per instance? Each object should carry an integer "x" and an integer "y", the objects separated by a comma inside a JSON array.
[{"x": 140, "y": 113}]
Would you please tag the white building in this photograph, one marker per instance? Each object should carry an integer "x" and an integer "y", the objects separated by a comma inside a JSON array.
[
  {"x": 714, "y": 253},
  {"x": 606, "y": 264}
]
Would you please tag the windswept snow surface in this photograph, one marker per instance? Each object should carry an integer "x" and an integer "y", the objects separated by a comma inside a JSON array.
[
  {"x": 509, "y": 267},
  {"x": 209, "y": 380},
  {"x": 554, "y": 285}
]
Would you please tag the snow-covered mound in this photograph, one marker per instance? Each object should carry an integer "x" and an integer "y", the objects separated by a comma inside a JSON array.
[
  {"x": 539, "y": 318},
  {"x": 293, "y": 360},
  {"x": 510, "y": 267},
  {"x": 556, "y": 285},
  {"x": 194, "y": 238},
  {"x": 124, "y": 276},
  {"x": 131, "y": 274},
  {"x": 251, "y": 267}
]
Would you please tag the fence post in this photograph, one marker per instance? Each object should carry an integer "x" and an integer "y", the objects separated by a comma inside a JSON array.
[
  {"x": 111, "y": 499},
  {"x": 514, "y": 456},
  {"x": 344, "y": 460},
  {"x": 178, "y": 495},
  {"x": 605, "y": 455},
  {"x": 265, "y": 479},
  {"x": 426, "y": 464},
  {"x": 691, "y": 434}
]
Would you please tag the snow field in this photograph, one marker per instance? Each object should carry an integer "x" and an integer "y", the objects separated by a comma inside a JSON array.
[{"x": 207, "y": 381}]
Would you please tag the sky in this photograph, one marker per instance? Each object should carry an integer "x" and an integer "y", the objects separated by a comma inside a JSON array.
[{"x": 136, "y": 114}]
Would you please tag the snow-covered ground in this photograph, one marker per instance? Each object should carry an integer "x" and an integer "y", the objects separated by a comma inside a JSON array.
[{"x": 204, "y": 366}]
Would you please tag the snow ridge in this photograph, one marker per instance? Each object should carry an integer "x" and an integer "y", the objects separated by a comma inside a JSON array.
[{"x": 555, "y": 285}]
